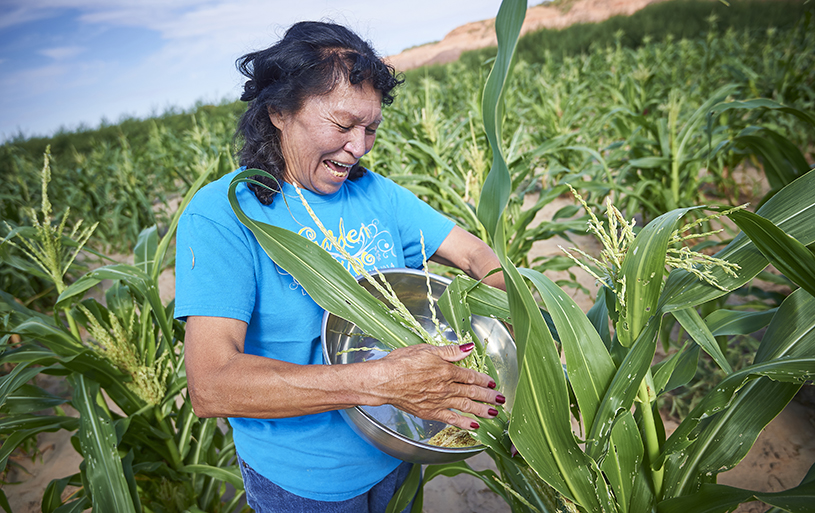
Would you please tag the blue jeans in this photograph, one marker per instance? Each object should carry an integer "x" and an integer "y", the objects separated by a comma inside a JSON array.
[{"x": 264, "y": 496}]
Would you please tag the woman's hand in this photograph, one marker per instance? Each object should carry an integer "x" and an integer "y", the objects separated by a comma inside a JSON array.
[{"x": 422, "y": 380}]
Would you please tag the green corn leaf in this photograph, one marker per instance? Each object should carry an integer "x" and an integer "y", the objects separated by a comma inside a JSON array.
[
  {"x": 496, "y": 189},
  {"x": 792, "y": 210},
  {"x": 488, "y": 477},
  {"x": 231, "y": 475},
  {"x": 12, "y": 442},
  {"x": 690, "y": 319},
  {"x": 456, "y": 311},
  {"x": 108, "y": 487},
  {"x": 485, "y": 300},
  {"x": 60, "y": 342},
  {"x": 737, "y": 419},
  {"x": 783, "y": 161},
  {"x": 145, "y": 250},
  {"x": 791, "y": 331},
  {"x": 643, "y": 269},
  {"x": 735, "y": 322},
  {"x": 763, "y": 103},
  {"x": 716, "y": 498},
  {"x": 29, "y": 399},
  {"x": 792, "y": 346},
  {"x": 787, "y": 356},
  {"x": 325, "y": 279},
  {"x": 688, "y": 131},
  {"x": 76, "y": 506},
  {"x": 130, "y": 477},
  {"x": 684, "y": 370},
  {"x": 8, "y": 304},
  {"x": 441, "y": 191},
  {"x": 185, "y": 421},
  {"x": 650, "y": 162},
  {"x": 788, "y": 255},
  {"x": 18, "y": 376},
  {"x": 540, "y": 426},
  {"x": 9, "y": 425},
  {"x": 401, "y": 499},
  {"x": 598, "y": 316},
  {"x": 78, "y": 358},
  {"x": 619, "y": 396},
  {"x": 30, "y": 354},
  {"x": 588, "y": 363},
  {"x": 51, "y": 499},
  {"x": 622, "y": 463}
]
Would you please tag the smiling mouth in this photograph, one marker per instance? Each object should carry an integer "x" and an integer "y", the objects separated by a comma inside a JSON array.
[{"x": 337, "y": 169}]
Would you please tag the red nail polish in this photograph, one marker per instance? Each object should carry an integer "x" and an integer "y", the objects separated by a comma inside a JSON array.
[
  {"x": 500, "y": 399},
  {"x": 474, "y": 425},
  {"x": 466, "y": 348},
  {"x": 491, "y": 384},
  {"x": 492, "y": 412}
]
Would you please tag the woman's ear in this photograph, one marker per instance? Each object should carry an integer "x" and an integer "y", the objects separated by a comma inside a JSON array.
[{"x": 276, "y": 117}]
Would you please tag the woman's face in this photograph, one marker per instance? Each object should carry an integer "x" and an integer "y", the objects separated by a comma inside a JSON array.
[{"x": 328, "y": 135}]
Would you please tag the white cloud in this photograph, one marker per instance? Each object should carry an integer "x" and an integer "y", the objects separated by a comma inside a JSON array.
[
  {"x": 62, "y": 53},
  {"x": 196, "y": 45}
]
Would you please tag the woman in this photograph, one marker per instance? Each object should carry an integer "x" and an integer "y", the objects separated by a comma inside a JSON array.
[{"x": 252, "y": 347}]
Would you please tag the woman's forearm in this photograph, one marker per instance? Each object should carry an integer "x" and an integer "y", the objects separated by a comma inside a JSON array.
[{"x": 225, "y": 382}]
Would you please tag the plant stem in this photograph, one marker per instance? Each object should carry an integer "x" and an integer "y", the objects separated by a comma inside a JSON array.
[
  {"x": 72, "y": 324},
  {"x": 176, "y": 462},
  {"x": 650, "y": 437}
]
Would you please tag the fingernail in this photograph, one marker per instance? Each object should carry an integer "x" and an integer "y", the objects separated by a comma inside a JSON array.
[
  {"x": 491, "y": 384},
  {"x": 474, "y": 425},
  {"x": 500, "y": 399},
  {"x": 466, "y": 348},
  {"x": 492, "y": 412},
  {"x": 513, "y": 451}
]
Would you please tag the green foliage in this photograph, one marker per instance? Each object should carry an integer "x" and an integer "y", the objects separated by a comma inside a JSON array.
[
  {"x": 657, "y": 117},
  {"x": 155, "y": 454},
  {"x": 677, "y": 19}
]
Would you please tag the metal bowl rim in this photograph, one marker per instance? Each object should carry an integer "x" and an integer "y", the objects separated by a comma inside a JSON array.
[{"x": 413, "y": 443}]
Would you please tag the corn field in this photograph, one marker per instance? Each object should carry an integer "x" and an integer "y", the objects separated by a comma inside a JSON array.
[{"x": 659, "y": 130}]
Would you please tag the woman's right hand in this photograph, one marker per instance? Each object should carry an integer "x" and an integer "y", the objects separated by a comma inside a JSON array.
[{"x": 422, "y": 380}]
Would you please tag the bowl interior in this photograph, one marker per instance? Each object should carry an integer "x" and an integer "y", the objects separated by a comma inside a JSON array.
[{"x": 387, "y": 427}]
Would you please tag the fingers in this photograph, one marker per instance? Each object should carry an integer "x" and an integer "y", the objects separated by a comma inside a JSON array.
[
  {"x": 454, "y": 352},
  {"x": 423, "y": 381}
]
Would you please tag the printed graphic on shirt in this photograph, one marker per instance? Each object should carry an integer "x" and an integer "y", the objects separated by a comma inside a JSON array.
[{"x": 367, "y": 244}]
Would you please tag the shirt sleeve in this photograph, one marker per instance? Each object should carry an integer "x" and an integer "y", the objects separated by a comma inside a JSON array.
[
  {"x": 215, "y": 272},
  {"x": 417, "y": 219}
]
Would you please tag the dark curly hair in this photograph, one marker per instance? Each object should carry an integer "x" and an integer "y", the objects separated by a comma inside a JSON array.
[{"x": 310, "y": 60}]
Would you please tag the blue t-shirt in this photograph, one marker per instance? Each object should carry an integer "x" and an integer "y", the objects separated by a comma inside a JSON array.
[{"x": 222, "y": 271}]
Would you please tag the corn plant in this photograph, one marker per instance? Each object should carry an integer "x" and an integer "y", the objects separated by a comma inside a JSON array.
[
  {"x": 621, "y": 460},
  {"x": 152, "y": 453}
]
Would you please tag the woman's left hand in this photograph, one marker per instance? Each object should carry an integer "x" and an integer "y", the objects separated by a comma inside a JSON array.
[{"x": 422, "y": 380}]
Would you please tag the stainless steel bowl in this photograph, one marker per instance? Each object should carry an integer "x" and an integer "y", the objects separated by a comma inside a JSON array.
[{"x": 391, "y": 430}]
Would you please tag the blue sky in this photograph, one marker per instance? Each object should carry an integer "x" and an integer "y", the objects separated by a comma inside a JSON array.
[{"x": 69, "y": 62}]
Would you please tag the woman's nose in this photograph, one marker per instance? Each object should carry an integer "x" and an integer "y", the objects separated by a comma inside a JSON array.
[{"x": 356, "y": 142}]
